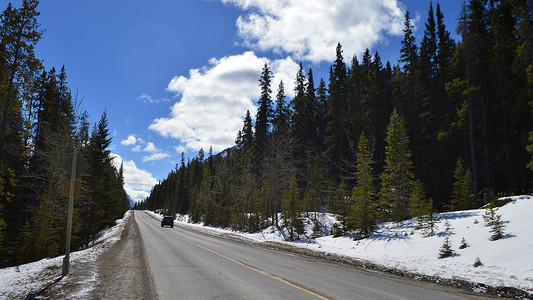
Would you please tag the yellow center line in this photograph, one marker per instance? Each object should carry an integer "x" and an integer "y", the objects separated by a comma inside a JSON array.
[{"x": 254, "y": 269}]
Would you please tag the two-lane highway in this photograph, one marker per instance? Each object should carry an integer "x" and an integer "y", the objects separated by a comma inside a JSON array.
[{"x": 189, "y": 265}]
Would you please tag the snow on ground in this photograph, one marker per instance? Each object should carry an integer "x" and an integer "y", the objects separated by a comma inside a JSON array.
[
  {"x": 506, "y": 262},
  {"x": 21, "y": 281}
]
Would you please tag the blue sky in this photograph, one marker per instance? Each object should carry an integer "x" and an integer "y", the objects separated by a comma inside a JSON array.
[{"x": 177, "y": 76}]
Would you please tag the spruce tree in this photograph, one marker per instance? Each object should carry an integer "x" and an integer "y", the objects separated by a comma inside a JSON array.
[
  {"x": 20, "y": 34},
  {"x": 463, "y": 244},
  {"x": 446, "y": 249},
  {"x": 291, "y": 210},
  {"x": 316, "y": 195},
  {"x": 445, "y": 50},
  {"x": 19, "y": 69},
  {"x": 430, "y": 219},
  {"x": 320, "y": 119},
  {"x": 397, "y": 177},
  {"x": 263, "y": 121},
  {"x": 106, "y": 202},
  {"x": 301, "y": 115},
  {"x": 336, "y": 140},
  {"x": 281, "y": 115},
  {"x": 418, "y": 203},
  {"x": 463, "y": 194},
  {"x": 342, "y": 205},
  {"x": 363, "y": 213},
  {"x": 493, "y": 220},
  {"x": 409, "y": 50}
]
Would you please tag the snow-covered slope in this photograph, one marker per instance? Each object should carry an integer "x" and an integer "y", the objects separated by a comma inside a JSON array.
[{"x": 506, "y": 262}]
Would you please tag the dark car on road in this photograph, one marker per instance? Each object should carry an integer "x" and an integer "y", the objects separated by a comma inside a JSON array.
[{"x": 169, "y": 221}]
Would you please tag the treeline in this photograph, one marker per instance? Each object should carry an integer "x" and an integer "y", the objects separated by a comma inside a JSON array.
[
  {"x": 444, "y": 129},
  {"x": 40, "y": 126}
]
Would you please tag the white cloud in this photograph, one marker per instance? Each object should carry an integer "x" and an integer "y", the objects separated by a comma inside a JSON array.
[
  {"x": 150, "y": 147},
  {"x": 131, "y": 140},
  {"x": 137, "y": 182},
  {"x": 149, "y": 99},
  {"x": 180, "y": 149},
  {"x": 155, "y": 156},
  {"x": 311, "y": 29},
  {"x": 214, "y": 99}
]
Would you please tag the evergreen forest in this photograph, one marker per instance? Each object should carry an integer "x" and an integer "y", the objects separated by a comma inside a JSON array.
[
  {"x": 447, "y": 127},
  {"x": 41, "y": 123}
]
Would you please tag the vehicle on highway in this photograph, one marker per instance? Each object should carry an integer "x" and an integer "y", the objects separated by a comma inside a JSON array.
[{"x": 167, "y": 221}]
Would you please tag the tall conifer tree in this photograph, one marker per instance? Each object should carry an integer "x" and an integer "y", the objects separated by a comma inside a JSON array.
[
  {"x": 263, "y": 120},
  {"x": 363, "y": 212},
  {"x": 397, "y": 178},
  {"x": 336, "y": 140}
]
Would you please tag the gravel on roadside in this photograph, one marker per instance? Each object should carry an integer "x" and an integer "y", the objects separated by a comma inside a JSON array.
[{"x": 122, "y": 272}]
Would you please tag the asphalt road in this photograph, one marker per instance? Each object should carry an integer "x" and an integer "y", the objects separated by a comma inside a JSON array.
[{"x": 189, "y": 265}]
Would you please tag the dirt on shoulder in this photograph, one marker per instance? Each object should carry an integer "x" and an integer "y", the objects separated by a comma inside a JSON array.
[{"x": 123, "y": 272}]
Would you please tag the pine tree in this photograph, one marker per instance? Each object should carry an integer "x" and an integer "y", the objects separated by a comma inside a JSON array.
[
  {"x": 53, "y": 145},
  {"x": 477, "y": 262},
  {"x": 280, "y": 120},
  {"x": 336, "y": 140},
  {"x": 363, "y": 212},
  {"x": 418, "y": 203},
  {"x": 446, "y": 249},
  {"x": 342, "y": 205},
  {"x": 19, "y": 69},
  {"x": 445, "y": 49},
  {"x": 428, "y": 222},
  {"x": 463, "y": 194},
  {"x": 320, "y": 119},
  {"x": 409, "y": 50},
  {"x": 20, "y": 34},
  {"x": 463, "y": 244},
  {"x": 428, "y": 50},
  {"x": 301, "y": 113},
  {"x": 263, "y": 121},
  {"x": 397, "y": 178},
  {"x": 493, "y": 220},
  {"x": 106, "y": 201},
  {"x": 291, "y": 211},
  {"x": 316, "y": 195}
]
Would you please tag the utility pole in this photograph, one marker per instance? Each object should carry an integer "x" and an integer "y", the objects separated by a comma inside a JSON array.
[{"x": 66, "y": 259}]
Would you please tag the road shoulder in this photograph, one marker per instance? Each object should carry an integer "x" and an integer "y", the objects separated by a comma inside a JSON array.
[{"x": 122, "y": 271}]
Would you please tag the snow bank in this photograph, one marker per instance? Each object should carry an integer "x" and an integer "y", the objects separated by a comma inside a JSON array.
[{"x": 506, "y": 262}]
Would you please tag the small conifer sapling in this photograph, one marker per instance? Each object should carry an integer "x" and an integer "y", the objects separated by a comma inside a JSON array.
[
  {"x": 477, "y": 262},
  {"x": 463, "y": 244},
  {"x": 446, "y": 249}
]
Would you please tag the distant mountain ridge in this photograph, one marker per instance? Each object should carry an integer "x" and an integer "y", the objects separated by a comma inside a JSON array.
[{"x": 132, "y": 202}]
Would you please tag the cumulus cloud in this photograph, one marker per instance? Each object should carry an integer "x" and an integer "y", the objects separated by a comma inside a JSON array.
[
  {"x": 150, "y": 147},
  {"x": 155, "y": 156},
  {"x": 141, "y": 146},
  {"x": 214, "y": 99},
  {"x": 131, "y": 140},
  {"x": 310, "y": 30},
  {"x": 137, "y": 182}
]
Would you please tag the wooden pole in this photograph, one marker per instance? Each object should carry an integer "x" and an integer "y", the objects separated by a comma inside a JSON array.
[{"x": 66, "y": 259}]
